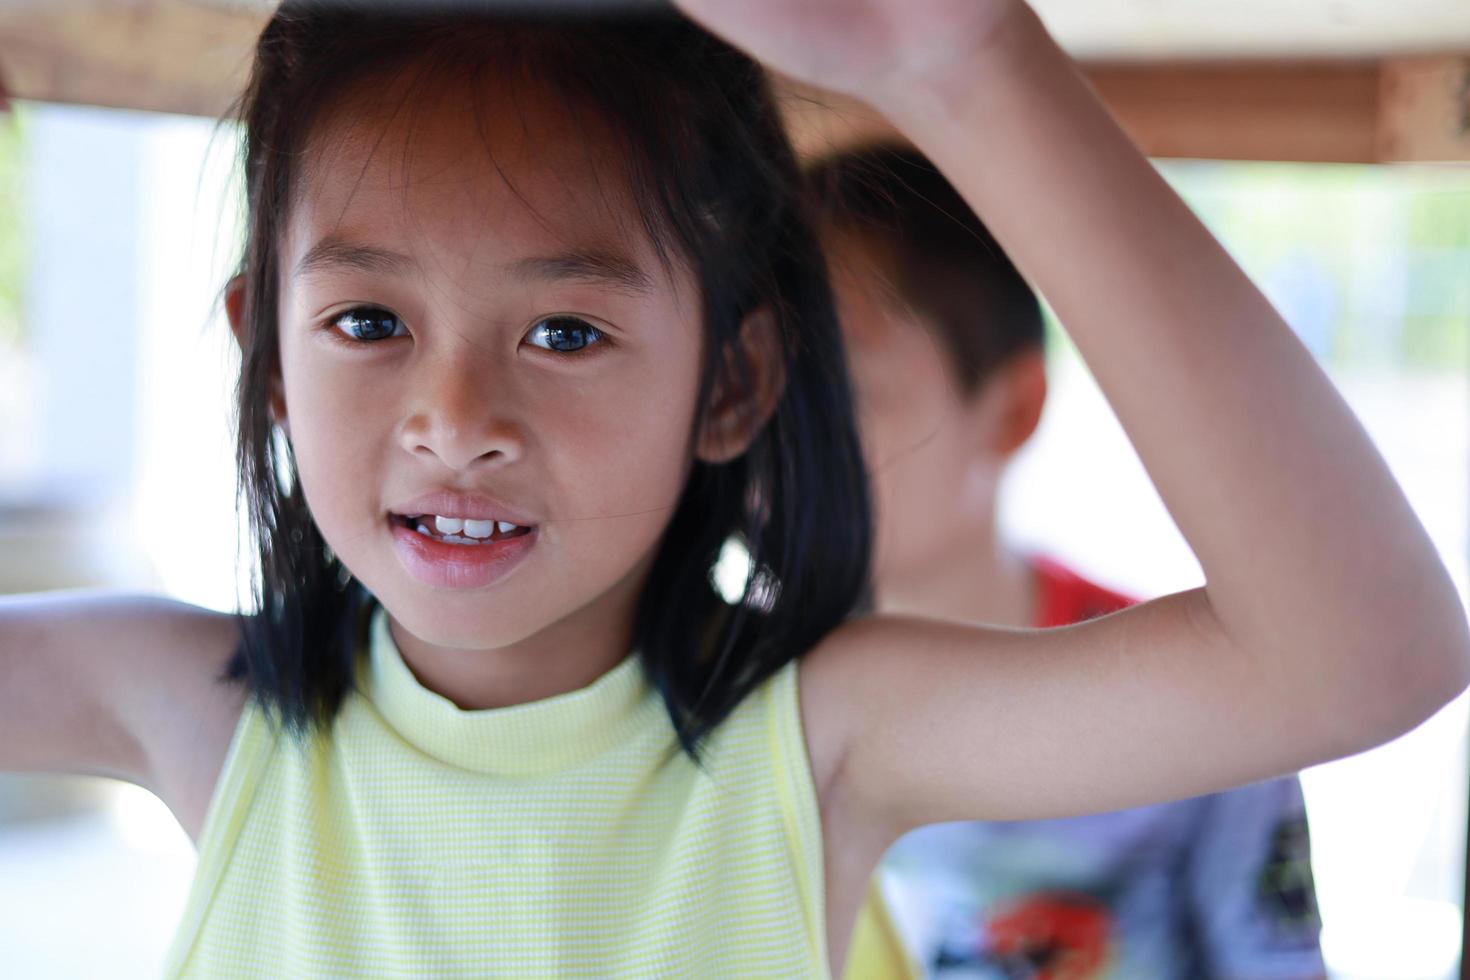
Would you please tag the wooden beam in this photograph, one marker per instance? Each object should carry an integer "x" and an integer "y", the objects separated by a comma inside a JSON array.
[
  {"x": 191, "y": 56},
  {"x": 1424, "y": 109},
  {"x": 1413, "y": 109},
  {"x": 184, "y": 56},
  {"x": 1246, "y": 112}
]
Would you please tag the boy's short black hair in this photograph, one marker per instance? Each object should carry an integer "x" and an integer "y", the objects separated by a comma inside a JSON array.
[{"x": 941, "y": 259}]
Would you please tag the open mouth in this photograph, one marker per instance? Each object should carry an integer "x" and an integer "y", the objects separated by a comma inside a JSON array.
[{"x": 460, "y": 531}]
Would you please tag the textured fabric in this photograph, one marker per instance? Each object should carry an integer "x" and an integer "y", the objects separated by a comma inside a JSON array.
[
  {"x": 877, "y": 950},
  {"x": 566, "y": 837},
  {"x": 1219, "y": 885}
]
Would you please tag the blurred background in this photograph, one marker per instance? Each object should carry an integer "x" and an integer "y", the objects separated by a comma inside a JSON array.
[{"x": 118, "y": 228}]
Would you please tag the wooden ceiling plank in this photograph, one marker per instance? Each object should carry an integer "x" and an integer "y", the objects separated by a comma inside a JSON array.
[
  {"x": 1290, "y": 112},
  {"x": 1424, "y": 110},
  {"x": 1402, "y": 110},
  {"x": 164, "y": 55},
  {"x": 191, "y": 56}
]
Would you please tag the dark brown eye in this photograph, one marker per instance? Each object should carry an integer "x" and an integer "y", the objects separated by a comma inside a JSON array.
[
  {"x": 564, "y": 334},
  {"x": 369, "y": 323}
]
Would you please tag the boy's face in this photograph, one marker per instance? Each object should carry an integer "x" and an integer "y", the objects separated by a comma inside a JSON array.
[
  {"x": 925, "y": 441},
  {"x": 513, "y": 239}
]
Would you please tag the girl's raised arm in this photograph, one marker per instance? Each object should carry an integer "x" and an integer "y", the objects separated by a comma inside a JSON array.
[
  {"x": 121, "y": 686},
  {"x": 1328, "y": 623}
]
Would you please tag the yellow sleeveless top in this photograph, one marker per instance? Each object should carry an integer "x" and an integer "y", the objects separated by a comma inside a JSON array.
[
  {"x": 565, "y": 837},
  {"x": 876, "y": 950}
]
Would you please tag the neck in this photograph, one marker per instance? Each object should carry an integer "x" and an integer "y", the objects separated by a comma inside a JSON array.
[
  {"x": 565, "y": 656},
  {"x": 974, "y": 580}
]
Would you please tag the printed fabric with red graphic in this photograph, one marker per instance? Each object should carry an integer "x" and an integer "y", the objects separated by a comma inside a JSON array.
[{"x": 1219, "y": 885}]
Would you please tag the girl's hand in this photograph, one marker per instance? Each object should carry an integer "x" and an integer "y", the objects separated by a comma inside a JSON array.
[{"x": 864, "y": 48}]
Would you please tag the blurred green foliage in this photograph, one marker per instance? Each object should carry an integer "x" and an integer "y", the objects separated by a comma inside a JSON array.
[
  {"x": 12, "y": 225},
  {"x": 1370, "y": 264}
]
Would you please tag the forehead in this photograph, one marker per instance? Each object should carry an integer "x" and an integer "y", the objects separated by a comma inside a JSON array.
[{"x": 456, "y": 171}]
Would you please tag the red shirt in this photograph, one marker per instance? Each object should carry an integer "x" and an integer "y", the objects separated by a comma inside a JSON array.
[{"x": 1063, "y": 597}]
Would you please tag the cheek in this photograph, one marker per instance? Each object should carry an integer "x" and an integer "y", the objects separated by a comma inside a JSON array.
[
  {"x": 916, "y": 449},
  {"x": 333, "y": 428},
  {"x": 899, "y": 421},
  {"x": 617, "y": 463},
  {"x": 621, "y": 457}
]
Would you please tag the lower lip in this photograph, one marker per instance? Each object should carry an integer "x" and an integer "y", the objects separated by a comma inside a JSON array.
[{"x": 458, "y": 566}]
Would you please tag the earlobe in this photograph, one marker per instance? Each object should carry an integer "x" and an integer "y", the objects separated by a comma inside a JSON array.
[
  {"x": 747, "y": 388},
  {"x": 234, "y": 303}
]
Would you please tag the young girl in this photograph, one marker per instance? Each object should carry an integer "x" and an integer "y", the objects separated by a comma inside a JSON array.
[{"x": 532, "y": 325}]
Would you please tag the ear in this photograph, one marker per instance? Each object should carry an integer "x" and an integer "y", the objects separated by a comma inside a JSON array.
[
  {"x": 1011, "y": 401},
  {"x": 235, "y": 308},
  {"x": 235, "y": 313},
  {"x": 747, "y": 387}
]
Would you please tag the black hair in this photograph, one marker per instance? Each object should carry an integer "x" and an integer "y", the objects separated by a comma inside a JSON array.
[
  {"x": 937, "y": 253},
  {"x": 717, "y": 186}
]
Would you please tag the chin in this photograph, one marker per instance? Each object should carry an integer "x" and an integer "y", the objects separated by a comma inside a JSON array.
[{"x": 464, "y": 622}]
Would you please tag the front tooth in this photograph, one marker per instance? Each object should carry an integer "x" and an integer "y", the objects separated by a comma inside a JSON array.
[
  {"x": 479, "y": 529},
  {"x": 448, "y": 525},
  {"x": 506, "y": 527}
]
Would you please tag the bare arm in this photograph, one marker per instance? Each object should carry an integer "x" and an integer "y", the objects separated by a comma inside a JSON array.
[
  {"x": 109, "y": 684},
  {"x": 1309, "y": 548},
  {"x": 1328, "y": 623}
]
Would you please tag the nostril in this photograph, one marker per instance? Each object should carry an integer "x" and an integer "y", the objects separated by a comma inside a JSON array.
[{"x": 489, "y": 442}]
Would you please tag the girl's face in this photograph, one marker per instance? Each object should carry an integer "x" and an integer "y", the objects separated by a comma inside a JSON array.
[{"x": 474, "y": 326}]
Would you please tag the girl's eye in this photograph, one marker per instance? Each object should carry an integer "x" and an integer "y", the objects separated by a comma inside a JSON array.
[
  {"x": 369, "y": 323},
  {"x": 564, "y": 334}
]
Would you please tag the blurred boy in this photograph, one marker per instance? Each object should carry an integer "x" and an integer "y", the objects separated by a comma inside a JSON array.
[{"x": 946, "y": 346}]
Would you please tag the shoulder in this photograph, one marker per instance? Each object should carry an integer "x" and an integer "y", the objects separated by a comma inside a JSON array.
[
  {"x": 169, "y": 695},
  {"x": 835, "y": 679},
  {"x": 119, "y": 685}
]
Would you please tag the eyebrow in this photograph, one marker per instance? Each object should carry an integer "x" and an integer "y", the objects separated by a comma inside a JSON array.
[
  {"x": 334, "y": 253},
  {"x": 586, "y": 265},
  {"x": 578, "y": 265}
]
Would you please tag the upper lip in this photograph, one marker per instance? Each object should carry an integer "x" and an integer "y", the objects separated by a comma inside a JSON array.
[{"x": 466, "y": 506}]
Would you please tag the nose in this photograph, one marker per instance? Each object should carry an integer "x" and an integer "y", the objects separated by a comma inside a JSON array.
[{"x": 463, "y": 415}]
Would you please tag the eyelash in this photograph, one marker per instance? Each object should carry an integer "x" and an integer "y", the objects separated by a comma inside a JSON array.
[
  {"x": 565, "y": 321},
  {"x": 357, "y": 312}
]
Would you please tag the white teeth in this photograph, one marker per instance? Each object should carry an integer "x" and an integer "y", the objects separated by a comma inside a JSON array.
[
  {"x": 450, "y": 538},
  {"x": 477, "y": 529},
  {"x": 463, "y": 530}
]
